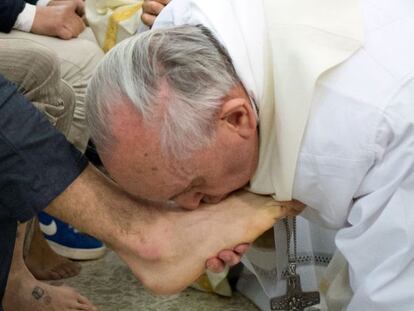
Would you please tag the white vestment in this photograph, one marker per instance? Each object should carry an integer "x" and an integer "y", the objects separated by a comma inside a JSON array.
[{"x": 355, "y": 168}]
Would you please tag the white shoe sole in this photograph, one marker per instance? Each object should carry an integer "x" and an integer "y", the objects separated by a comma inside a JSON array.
[{"x": 77, "y": 254}]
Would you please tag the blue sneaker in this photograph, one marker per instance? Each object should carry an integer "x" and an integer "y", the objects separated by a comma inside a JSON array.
[{"x": 69, "y": 242}]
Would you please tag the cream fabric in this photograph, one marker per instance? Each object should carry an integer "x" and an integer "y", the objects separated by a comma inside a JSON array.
[
  {"x": 335, "y": 283},
  {"x": 42, "y": 84},
  {"x": 306, "y": 38},
  {"x": 78, "y": 59},
  {"x": 113, "y": 20}
]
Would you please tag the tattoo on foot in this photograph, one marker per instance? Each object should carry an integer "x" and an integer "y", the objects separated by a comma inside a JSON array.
[{"x": 38, "y": 292}]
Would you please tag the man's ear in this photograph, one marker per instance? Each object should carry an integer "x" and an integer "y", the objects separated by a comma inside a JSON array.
[{"x": 237, "y": 115}]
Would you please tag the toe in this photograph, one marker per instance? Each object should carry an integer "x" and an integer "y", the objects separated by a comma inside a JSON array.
[
  {"x": 85, "y": 303},
  {"x": 61, "y": 272},
  {"x": 54, "y": 275},
  {"x": 229, "y": 257},
  {"x": 84, "y": 307},
  {"x": 72, "y": 268},
  {"x": 241, "y": 249},
  {"x": 69, "y": 272},
  {"x": 76, "y": 267},
  {"x": 215, "y": 265}
]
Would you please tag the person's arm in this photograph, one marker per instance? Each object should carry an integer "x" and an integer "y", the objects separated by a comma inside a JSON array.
[{"x": 379, "y": 243}]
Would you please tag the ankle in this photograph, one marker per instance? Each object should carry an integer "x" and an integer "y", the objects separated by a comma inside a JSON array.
[
  {"x": 150, "y": 241},
  {"x": 18, "y": 279}
]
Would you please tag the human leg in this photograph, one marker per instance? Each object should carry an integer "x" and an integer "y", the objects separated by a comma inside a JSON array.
[
  {"x": 36, "y": 72},
  {"x": 77, "y": 59},
  {"x": 44, "y": 263}
]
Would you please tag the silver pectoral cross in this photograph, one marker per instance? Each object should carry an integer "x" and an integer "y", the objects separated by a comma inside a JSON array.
[{"x": 295, "y": 299}]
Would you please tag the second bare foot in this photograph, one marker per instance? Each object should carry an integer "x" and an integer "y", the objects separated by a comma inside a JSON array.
[
  {"x": 45, "y": 264},
  {"x": 24, "y": 293}
]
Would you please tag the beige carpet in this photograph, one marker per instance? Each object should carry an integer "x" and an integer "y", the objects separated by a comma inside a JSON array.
[{"x": 109, "y": 284}]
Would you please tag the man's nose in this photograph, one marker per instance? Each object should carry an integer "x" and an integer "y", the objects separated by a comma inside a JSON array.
[{"x": 189, "y": 201}]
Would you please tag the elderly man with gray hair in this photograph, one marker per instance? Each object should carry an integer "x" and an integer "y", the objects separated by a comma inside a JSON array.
[{"x": 295, "y": 105}]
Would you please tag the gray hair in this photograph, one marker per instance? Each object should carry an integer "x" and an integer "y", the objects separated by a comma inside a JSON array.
[{"x": 194, "y": 65}]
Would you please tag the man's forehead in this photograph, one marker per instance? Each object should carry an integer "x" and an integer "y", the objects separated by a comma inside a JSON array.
[
  {"x": 127, "y": 117},
  {"x": 131, "y": 134},
  {"x": 138, "y": 147},
  {"x": 123, "y": 117},
  {"x": 143, "y": 172}
]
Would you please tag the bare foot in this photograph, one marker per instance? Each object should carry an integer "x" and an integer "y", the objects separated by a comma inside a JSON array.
[
  {"x": 44, "y": 263},
  {"x": 233, "y": 256},
  {"x": 179, "y": 243},
  {"x": 25, "y": 293}
]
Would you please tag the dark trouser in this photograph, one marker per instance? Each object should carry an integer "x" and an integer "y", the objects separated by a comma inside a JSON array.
[{"x": 7, "y": 238}]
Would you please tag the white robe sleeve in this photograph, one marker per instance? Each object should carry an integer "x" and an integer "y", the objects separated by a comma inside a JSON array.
[{"x": 379, "y": 242}]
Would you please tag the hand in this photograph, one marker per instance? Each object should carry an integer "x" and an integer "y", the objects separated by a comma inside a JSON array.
[
  {"x": 233, "y": 256},
  {"x": 151, "y": 9},
  {"x": 80, "y": 5},
  {"x": 58, "y": 20}
]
